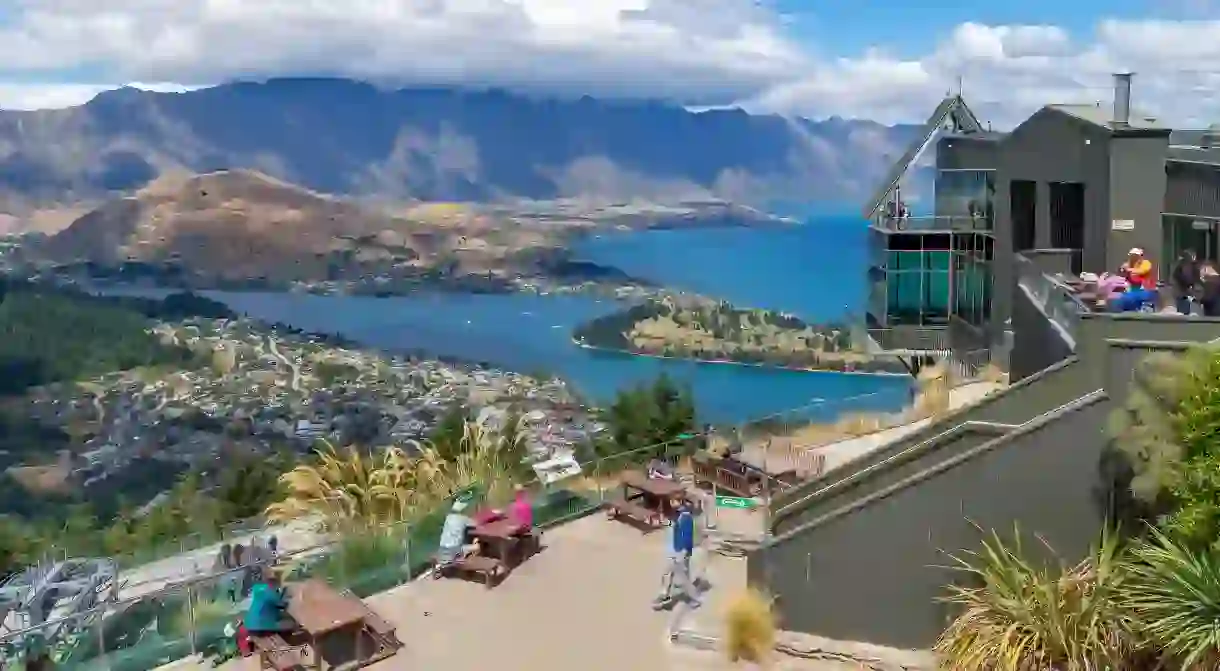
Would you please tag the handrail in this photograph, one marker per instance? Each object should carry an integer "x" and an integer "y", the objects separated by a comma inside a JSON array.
[
  {"x": 1052, "y": 297},
  {"x": 855, "y": 476},
  {"x": 897, "y": 457},
  {"x": 940, "y": 222},
  {"x": 956, "y": 414},
  {"x": 947, "y": 464}
]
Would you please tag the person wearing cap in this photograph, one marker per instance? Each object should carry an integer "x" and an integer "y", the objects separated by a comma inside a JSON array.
[
  {"x": 453, "y": 534},
  {"x": 268, "y": 604},
  {"x": 1142, "y": 290},
  {"x": 678, "y": 573}
]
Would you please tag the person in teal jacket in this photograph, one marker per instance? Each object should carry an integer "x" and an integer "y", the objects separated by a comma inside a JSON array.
[{"x": 267, "y": 605}]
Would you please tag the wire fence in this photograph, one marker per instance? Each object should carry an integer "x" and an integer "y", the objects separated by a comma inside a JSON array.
[{"x": 185, "y": 607}]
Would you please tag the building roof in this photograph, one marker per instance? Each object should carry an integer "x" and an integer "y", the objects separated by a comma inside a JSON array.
[
  {"x": 1188, "y": 154},
  {"x": 1103, "y": 116},
  {"x": 953, "y": 111}
]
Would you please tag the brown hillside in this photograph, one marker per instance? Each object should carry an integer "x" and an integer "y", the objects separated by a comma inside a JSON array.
[{"x": 232, "y": 225}]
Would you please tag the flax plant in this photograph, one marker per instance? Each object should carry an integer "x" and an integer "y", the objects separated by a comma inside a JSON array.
[
  {"x": 1174, "y": 593},
  {"x": 1022, "y": 616}
]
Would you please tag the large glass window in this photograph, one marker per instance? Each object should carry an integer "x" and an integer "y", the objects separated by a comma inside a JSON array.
[
  {"x": 917, "y": 285},
  {"x": 972, "y": 279},
  {"x": 1183, "y": 233},
  {"x": 966, "y": 195}
]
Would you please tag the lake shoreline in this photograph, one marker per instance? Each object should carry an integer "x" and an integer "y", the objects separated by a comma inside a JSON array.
[{"x": 729, "y": 362}]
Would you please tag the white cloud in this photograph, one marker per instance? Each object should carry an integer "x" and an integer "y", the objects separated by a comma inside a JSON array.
[
  {"x": 1010, "y": 71},
  {"x": 696, "y": 51}
]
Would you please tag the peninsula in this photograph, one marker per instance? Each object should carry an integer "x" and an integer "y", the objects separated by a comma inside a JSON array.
[{"x": 699, "y": 328}]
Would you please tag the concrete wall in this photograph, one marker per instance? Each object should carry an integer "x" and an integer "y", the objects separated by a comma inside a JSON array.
[
  {"x": 1137, "y": 193},
  {"x": 851, "y": 552},
  {"x": 1050, "y": 146},
  {"x": 1037, "y": 342},
  {"x": 1015, "y": 404},
  {"x": 887, "y": 472},
  {"x": 871, "y": 573}
]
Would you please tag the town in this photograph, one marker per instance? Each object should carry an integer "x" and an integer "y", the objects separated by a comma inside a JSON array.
[{"x": 267, "y": 388}]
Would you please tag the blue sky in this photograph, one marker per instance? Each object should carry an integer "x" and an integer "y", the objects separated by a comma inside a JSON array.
[{"x": 880, "y": 59}]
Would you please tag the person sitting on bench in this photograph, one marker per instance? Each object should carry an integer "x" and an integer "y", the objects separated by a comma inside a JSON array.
[
  {"x": 453, "y": 536},
  {"x": 520, "y": 511},
  {"x": 267, "y": 605}
]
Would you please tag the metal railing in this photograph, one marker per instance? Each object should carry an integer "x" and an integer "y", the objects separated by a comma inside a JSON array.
[
  {"x": 912, "y": 338},
  {"x": 1052, "y": 296},
  {"x": 933, "y": 223}
]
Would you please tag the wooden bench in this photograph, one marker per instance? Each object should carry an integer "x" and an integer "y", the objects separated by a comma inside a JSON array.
[
  {"x": 377, "y": 626},
  {"x": 622, "y": 507},
  {"x": 741, "y": 482},
  {"x": 487, "y": 567},
  {"x": 275, "y": 653}
]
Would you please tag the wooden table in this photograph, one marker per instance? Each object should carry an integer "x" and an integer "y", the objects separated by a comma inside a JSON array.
[
  {"x": 658, "y": 494},
  {"x": 330, "y": 620},
  {"x": 503, "y": 538}
]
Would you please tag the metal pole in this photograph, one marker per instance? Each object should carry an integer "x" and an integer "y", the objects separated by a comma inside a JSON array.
[
  {"x": 101, "y": 637},
  {"x": 190, "y": 618}
]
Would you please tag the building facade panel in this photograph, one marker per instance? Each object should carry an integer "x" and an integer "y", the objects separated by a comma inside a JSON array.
[{"x": 1192, "y": 189}]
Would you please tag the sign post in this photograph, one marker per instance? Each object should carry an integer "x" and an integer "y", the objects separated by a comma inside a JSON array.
[{"x": 735, "y": 502}]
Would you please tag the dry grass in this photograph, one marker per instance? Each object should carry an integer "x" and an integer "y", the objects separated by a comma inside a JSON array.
[
  {"x": 750, "y": 627},
  {"x": 992, "y": 373}
]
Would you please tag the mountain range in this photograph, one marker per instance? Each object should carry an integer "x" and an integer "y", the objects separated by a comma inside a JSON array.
[{"x": 344, "y": 137}]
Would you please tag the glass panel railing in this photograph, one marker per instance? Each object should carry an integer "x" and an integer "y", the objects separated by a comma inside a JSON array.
[
  {"x": 933, "y": 223},
  {"x": 1056, "y": 300}
]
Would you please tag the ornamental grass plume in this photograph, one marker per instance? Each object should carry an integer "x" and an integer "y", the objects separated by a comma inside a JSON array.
[{"x": 750, "y": 627}]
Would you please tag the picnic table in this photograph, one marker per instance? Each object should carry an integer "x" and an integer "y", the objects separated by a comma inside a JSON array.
[
  {"x": 340, "y": 629},
  {"x": 650, "y": 501},
  {"x": 503, "y": 544}
]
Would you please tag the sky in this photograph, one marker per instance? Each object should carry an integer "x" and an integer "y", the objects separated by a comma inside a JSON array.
[{"x": 886, "y": 60}]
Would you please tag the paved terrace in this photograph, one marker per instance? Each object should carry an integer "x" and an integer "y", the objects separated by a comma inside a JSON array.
[{"x": 583, "y": 603}]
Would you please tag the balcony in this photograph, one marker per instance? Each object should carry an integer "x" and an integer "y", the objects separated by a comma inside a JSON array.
[{"x": 940, "y": 224}]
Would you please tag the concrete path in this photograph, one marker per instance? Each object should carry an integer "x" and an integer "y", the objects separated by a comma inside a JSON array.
[{"x": 844, "y": 451}]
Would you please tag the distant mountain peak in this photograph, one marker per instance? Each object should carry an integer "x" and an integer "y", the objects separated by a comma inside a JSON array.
[{"x": 349, "y": 137}]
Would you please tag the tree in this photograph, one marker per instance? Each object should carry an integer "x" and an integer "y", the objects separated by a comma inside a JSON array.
[
  {"x": 644, "y": 416},
  {"x": 446, "y": 438},
  {"x": 248, "y": 485}
]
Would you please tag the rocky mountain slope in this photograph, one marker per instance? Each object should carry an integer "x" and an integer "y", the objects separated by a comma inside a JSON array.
[{"x": 343, "y": 137}]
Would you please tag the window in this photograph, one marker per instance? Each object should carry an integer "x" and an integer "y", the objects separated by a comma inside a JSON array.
[{"x": 1023, "y": 211}]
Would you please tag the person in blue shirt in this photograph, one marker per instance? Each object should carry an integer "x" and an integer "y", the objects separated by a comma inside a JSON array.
[
  {"x": 268, "y": 603},
  {"x": 678, "y": 574}
]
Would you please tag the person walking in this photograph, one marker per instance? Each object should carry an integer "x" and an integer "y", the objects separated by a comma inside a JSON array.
[
  {"x": 677, "y": 582},
  {"x": 1185, "y": 279}
]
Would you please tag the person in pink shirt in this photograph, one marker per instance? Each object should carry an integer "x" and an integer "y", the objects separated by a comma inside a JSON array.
[{"x": 520, "y": 510}]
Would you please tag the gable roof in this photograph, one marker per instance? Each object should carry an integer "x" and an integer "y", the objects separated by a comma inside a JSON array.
[{"x": 953, "y": 110}]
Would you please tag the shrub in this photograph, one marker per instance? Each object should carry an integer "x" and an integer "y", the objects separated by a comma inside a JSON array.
[
  {"x": 1174, "y": 594},
  {"x": 750, "y": 627},
  {"x": 1023, "y": 615}
]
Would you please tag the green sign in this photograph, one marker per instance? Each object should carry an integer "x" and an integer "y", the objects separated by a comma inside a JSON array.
[
  {"x": 734, "y": 502},
  {"x": 685, "y": 436}
]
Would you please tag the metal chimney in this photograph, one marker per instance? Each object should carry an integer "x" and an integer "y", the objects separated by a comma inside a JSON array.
[{"x": 1122, "y": 98}]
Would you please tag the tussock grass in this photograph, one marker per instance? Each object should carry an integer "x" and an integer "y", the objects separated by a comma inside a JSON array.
[{"x": 750, "y": 627}]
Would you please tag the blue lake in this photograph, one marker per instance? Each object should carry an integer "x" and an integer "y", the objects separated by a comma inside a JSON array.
[{"x": 813, "y": 271}]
